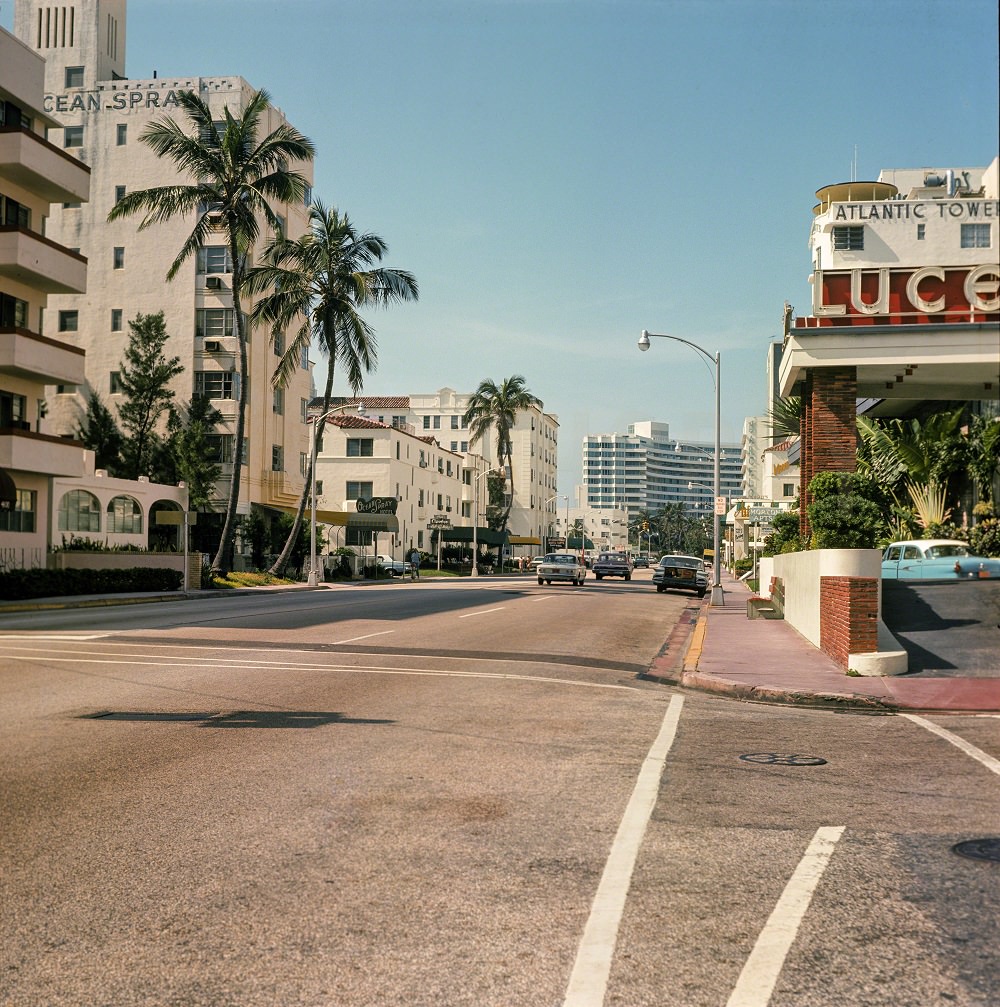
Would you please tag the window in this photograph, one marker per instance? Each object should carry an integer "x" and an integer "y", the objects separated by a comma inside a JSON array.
[
  {"x": 921, "y": 232},
  {"x": 14, "y": 214},
  {"x": 23, "y": 516},
  {"x": 304, "y": 410},
  {"x": 278, "y": 402},
  {"x": 319, "y": 487},
  {"x": 277, "y": 458},
  {"x": 79, "y": 511},
  {"x": 360, "y": 447},
  {"x": 359, "y": 490},
  {"x": 399, "y": 422},
  {"x": 13, "y": 312},
  {"x": 849, "y": 239},
  {"x": 217, "y": 384},
  {"x": 454, "y": 445},
  {"x": 220, "y": 448},
  {"x": 116, "y": 383},
  {"x": 73, "y": 136},
  {"x": 455, "y": 423},
  {"x": 788, "y": 489},
  {"x": 307, "y": 195},
  {"x": 72, "y": 206},
  {"x": 69, "y": 321},
  {"x": 121, "y": 134},
  {"x": 437, "y": 422},
  {"x": 303, "y": 464},
  {"x": 975, "y": 236},
  {"x": 13, "y": 410},
  {"x": 304, "y": 358},
  {"x": 119, "y": 257},
  {"x": 278, "y": 342},
  {"x": 116, "y": 319},
  {"x": 74, "y": 76},
  {"x": 119, "y": 193},
  {"x": 427, "y": 423},
  {"x": 214, "y": 259},
  {"x": 358, "y": 536},
  {"x": 125, "y": 516},
  {"x": 214, "y": 323},
  {"x": 465, "y": 445}
]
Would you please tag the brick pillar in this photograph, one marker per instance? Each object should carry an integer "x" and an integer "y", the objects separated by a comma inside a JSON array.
[
  {"x": 848, "y": 616},
  {"x": 805, "y": 456},
  {"x": 830, "y": 442}
]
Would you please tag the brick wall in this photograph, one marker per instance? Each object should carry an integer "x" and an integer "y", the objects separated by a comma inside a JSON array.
[
  {"x": 829, "y": 428},
  {"x": 848, "y": 619}
]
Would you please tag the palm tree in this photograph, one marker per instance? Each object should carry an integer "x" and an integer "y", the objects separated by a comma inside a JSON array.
[
  {"x": 320, "y": 282},
  {"x": 234, "y": 174},
  {"x": 496, "y": 406}
]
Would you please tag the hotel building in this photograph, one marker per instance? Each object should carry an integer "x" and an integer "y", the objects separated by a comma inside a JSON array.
[
  {"x": 96, "y": 115},
  {"x": 34, "y": 267}
]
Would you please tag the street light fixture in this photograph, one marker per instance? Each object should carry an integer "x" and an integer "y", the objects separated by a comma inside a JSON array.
[
  {"x": 475, "y": 522},
  {"x": 717, "y": 597},
  {"x": 313, "y": 579}
]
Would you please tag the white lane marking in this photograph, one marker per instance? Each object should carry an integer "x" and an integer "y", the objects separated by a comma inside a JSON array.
[
  {"x": 977, "y": 753},
  {"x": 161, "y": 664},
  {"x": 589, "y": 979},
  {"x": 756, "y": 982},
  {"x": 71, "y": 637},
  {"x": 485, "y": 611},
  {"x": 366, "y": 636}
]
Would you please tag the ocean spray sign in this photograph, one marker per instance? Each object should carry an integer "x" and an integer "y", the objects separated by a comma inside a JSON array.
[{"x": 121, "y": 101}]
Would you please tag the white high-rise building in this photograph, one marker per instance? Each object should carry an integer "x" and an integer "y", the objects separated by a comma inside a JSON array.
[{"x": 102, "y": 114}]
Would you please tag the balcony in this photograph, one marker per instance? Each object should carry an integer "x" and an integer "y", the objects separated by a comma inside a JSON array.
[
  {"x": 38, "y": 358},
  {"x": 24, "y": 451},
  {"x": 37, "y": 262},
  {"x": 40, "y": 167}
]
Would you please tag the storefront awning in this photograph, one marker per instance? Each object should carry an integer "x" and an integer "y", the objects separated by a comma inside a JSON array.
[
  {"x": 523, "y": 540},
  {"x": 351, "y": 519},
  {"x": 484, "y": 536}
]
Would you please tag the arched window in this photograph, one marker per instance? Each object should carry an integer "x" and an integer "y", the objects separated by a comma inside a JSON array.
[
  {"x": 79, "y": 511},
  {"x": 124, "y": 515}
]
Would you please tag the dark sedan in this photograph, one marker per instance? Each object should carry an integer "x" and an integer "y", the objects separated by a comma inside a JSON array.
[
  {"x": 681, "y": 573},
  {"x": 612, "y": 564}
]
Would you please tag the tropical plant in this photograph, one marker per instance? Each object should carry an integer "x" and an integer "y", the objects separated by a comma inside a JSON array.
[
  {"x": 193, "y": 457},
  {"x": 320, "y": 282},
  {"x": 145, "y": 375},
  {"x": 235, "y": 174},
  {"x": 984, "y": 454},
  {"x": 495, "y": 407},
  {"x": 100, "y": 433},
  {"x": 784, "y": 535},
  {"x": 929, "y": 504},
  {"x": 786, "y": 417}
]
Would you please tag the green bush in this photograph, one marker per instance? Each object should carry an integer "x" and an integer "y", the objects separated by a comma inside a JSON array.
[
  {"x": 844, "y": 513},
  {"x": 20, "y": 585},
  {"x": 984, "y": 537}
]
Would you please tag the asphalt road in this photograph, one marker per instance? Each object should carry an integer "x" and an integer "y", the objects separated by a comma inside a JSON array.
[{"x": 430, "y": 794}]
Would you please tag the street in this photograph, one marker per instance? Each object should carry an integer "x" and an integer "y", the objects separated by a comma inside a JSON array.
[{"x": 463, "y": 793}]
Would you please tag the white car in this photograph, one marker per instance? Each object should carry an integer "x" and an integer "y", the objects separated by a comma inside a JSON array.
[{"x": 561, "y": 566}]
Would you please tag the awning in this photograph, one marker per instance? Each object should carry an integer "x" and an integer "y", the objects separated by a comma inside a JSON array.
[
  {"x": 351, "y": 519},
  {"x": 484, "y": 536},
  {"x": 523, "y": 540}
]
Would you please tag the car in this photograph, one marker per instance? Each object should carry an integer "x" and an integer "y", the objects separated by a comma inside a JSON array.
[
  {"x": 561, "y": 566},
  {"x": 612, "y": 564},
  {"x": 393, "y": 567},
  {"x": 640, "y": 561},
  {"x": 935, "y": 559},
  {"x": 536, "y": 562},
  {"x": 680, "y": 573}
]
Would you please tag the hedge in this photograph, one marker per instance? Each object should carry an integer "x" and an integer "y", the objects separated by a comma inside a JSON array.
[{"x": 19, "y": 585}]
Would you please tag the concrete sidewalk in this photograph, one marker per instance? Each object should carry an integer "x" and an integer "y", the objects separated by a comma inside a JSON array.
[{"x": 767, "y": 661}]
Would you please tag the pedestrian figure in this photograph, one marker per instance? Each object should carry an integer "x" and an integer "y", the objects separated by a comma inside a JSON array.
[{"x": 414, "y": 565}]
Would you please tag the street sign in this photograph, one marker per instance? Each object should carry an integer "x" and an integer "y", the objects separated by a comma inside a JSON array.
[
  {"x": 720, "y": 506},
  {"x": 439, "y": 521},
  {"x": 556, "y": 542}
]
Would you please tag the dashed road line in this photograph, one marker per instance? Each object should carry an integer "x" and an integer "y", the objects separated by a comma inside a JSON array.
[
  {"x": 485, "y": 611},
  {"x": 366, "y": 636}
]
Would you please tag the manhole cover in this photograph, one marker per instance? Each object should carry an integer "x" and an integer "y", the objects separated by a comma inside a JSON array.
[
  {"x": 782, "y": 759},
  {"x": 979, "y": 849}
]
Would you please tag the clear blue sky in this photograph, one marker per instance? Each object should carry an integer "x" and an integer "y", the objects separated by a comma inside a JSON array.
[{"x": 560, "y": 174}]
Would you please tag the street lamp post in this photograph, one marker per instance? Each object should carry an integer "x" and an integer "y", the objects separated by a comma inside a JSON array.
[
  {"x": 475, "y": 522},
  {"x": 313, "y": 579},
  {"x": 555, "y": 496},
  {"x": 717, "y": 596}
]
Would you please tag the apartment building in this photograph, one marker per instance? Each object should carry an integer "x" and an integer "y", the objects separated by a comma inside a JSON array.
[
  {"x": 34, "y": 267},
  {"x": 96, "y": 115}
]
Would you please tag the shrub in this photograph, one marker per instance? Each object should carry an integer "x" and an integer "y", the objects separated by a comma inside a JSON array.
[
  {"x": 844, "y": 513},
  {"x": 984, "y": 538},
  {"x": 20, "y": 585}
]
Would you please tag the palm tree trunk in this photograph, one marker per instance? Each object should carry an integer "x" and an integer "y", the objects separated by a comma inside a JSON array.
[
  {"x": 223, "y": 561},
  {"x": 278, "y": 567}
]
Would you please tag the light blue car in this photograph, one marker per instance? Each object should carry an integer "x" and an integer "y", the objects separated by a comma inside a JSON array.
[{"x": 935, "y": 559}]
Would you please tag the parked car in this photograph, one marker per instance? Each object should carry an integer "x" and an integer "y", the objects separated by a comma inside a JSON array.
[
  {"x": 393, "y": 567},
  {"x": 612, "y": 564},
  {"x": 681, "y": 573},
  {"x": 561, "y": 566},
  {"x": 935, "y": 559},
  {"x": 640, "y": 561}
]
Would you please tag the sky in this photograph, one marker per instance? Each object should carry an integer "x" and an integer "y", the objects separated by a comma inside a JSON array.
[{"x": 561, "y": 174}]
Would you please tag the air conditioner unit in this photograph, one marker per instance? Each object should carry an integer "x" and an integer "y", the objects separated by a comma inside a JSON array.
[
  {"x": 212, "y": 346},
  {"x": 213, "y": 282}
]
